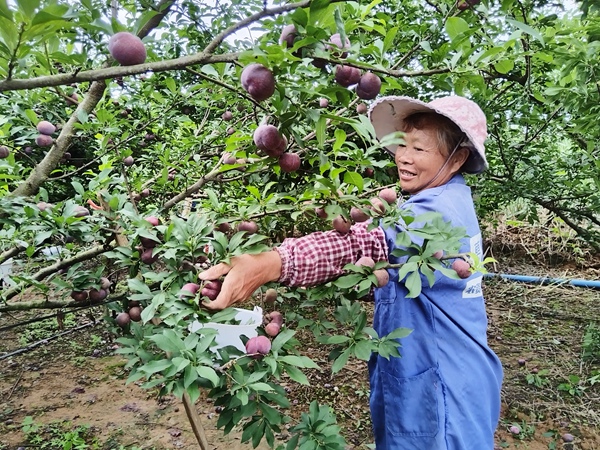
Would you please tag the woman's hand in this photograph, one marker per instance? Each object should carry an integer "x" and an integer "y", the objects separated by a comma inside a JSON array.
[{"x": 244, "y": 275}]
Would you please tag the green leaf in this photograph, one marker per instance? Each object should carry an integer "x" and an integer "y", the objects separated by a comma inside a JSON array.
[
  {"x": 340, "y": 361},
  {"x": 168, "y": 341},
  {"x": 355, "y": 179},
  {"x": 527, "y": 29},
  {"x": 348, "y": 281},
  {"x": 209, "y": 373},
  {"x": 398, "y": 333},
  {"x": 78, "y": 187},
  {"x": 297, "y": 375},
  {"x": 455, "y": 26},
  {"x": 153, "y": 367},
  {"x": 413, "y": 284},
  {"x": 363, "y": 349},
  {"x": 321, "y": 129},
  {"x": 504, "y": 66}
]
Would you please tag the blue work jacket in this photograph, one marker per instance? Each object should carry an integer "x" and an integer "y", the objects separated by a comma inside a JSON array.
[{"x": 444, "y": 392}]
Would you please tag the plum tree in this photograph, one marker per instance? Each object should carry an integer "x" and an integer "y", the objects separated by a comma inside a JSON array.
[
  {"x": 258, "y": 81},
  {"x": 127, "y": 49}
]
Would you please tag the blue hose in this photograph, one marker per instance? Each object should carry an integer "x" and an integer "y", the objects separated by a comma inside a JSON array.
[{"x": 546, "y": 280}]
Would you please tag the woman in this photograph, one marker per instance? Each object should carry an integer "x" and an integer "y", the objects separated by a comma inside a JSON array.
[{"x": 444, "y": 392}]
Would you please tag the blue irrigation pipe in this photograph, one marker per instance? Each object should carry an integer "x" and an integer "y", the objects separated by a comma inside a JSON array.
[{"x": 546, "y": 280}]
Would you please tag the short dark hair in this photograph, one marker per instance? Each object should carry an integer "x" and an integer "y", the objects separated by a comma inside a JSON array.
[{"x": 449, "y": 135}]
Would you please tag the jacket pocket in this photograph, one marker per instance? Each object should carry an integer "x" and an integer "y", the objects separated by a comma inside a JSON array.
[
  {"x": 411, "y": 404},
  {"x": 387, "y": 293}
]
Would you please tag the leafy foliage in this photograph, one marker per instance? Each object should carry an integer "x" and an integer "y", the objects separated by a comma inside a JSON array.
[{"x": 530, "y": 65}]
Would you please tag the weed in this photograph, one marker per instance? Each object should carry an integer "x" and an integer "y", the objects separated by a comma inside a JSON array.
[
  {"x": 59, "y": 435},
  {"x": 591, "y": 342},
  {"x": 538, "y": 379},
  {"x": 573, "y": 386}
]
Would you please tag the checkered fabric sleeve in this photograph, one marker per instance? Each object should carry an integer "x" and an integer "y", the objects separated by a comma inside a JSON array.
[{"x": 319, "y": 257}]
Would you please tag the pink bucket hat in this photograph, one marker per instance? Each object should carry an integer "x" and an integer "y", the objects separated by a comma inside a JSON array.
[{"x": 387, "y": 114}]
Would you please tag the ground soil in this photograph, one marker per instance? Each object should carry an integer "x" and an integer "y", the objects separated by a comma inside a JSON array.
[{"x": 77, "y": 380}]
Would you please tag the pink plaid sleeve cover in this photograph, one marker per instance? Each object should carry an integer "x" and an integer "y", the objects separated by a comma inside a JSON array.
[{"x": 319, "y": 257}]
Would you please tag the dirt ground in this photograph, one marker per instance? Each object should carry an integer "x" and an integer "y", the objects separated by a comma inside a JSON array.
[{"x": 549, "y": 389}]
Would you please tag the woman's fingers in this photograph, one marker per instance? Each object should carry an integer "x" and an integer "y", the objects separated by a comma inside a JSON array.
[{"x": 215, "y": 272}]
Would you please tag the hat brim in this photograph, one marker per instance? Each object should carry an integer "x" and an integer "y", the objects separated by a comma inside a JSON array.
[{"x": 387, "y": 115}]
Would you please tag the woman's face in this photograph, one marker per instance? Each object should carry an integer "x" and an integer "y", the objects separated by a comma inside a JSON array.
[{"x": 420, "y": 159}]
